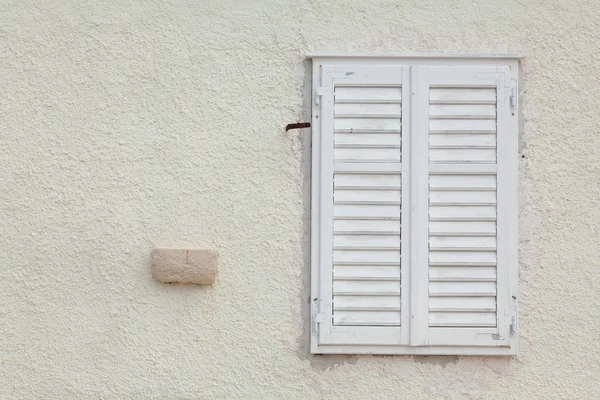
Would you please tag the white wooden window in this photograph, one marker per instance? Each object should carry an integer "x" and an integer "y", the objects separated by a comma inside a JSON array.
[{"x": 414, "y": 205}]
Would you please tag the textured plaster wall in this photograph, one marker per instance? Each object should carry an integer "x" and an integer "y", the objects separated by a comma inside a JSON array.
[{"x": 130, "y": 124}]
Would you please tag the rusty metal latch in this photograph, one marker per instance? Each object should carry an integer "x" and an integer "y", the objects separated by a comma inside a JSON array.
[{"x": 297, "y": 125}]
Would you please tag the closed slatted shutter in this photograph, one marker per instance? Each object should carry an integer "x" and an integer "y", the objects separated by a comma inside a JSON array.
[
  {"x": 360, "y": 194},
  {"x": 414, "y": 207},
  {"x": 468, "y": 202}
]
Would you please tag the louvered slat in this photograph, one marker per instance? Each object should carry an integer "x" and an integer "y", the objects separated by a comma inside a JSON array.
[
  {"x": 462, "y": 208},
  {"x": 367, "y": 206}
]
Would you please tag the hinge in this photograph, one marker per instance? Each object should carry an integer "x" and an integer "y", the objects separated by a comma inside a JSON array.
[
  {"x": 513, "y": 96},
  {"x": 317, "y": 317},
  {"x": 319, "y": 92},
  {"x": 513, "y": 326},
  {"x": 513, "y": 321}
]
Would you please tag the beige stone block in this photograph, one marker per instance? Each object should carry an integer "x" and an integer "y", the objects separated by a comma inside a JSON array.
[{"x": 194, "y": 266}]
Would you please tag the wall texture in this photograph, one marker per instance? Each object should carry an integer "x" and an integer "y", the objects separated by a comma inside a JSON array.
[{"x": 129, "y": 124}]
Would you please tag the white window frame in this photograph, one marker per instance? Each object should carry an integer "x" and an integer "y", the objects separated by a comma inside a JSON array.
[{"x": 413, "y": 339}]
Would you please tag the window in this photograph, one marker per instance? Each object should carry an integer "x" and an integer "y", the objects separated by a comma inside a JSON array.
[{"x": 414, "y": 205}]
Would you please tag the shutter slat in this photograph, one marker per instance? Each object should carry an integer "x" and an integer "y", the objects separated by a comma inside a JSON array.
[
  {"x": 371, "y": 124},
  {"x": 366, "y": 154},
  {"x": 462, "y": 213},
  {"x": 462, "y": 288},
  {"x": 354, "y": 212},
  {"x": 366, "y": 146},
  {"x": 367, "y": 131},
  {"x": 462, "y": 264},
  {"x": 453, "y": 94},
  {"x": 369, "y": 256},
  {"x": 472, "y": 227},
  {"x": 462, "y": 256},
  {"x": 462, "y": 155},
  {"x": 366, "y": 110},
  {"x": 453, "y": 197},
  {"x": 458, "y": 139},
  {"x": 367, "y": 239},
  {"x": 452, "y": 248},
  {"x": 367, "y": 101},
  {"x": 358, "y": 93},
  {"x": 367, "y": 279},
  {"x": 348, "y": 180},
  {"x": 368, "y": 116},
  {"x": 368, "y": 318},
  {"x": 383, "y": 168},
  {"x": 368, "y": 272},
  {"x": 367, "y": 263},
  {"x": 463, "y": 242},
  {"x": 353, "y": 196},
  {"x": 462, "y": 125},
  {"x": 365, "y": 139},
  {"x": 365, "y": 287},
  {"x": 464, "y": 319},
  {"x": 453, "y": 273},
  {"x": 462, "y": 181},
  {"x": 462, "y": 304},
  {"x": 363, "y": 303},
  {"x": 366, "y": 248},
  {"x": 367, "y": 188}
]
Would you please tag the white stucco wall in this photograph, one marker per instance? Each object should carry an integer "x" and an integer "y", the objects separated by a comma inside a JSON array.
[{"x": 125, "y": 125}]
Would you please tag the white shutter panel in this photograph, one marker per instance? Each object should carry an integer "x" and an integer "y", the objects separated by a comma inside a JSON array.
[
  {"x": 358, "y": 120},
  {"x": 468, "y": 160}
]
